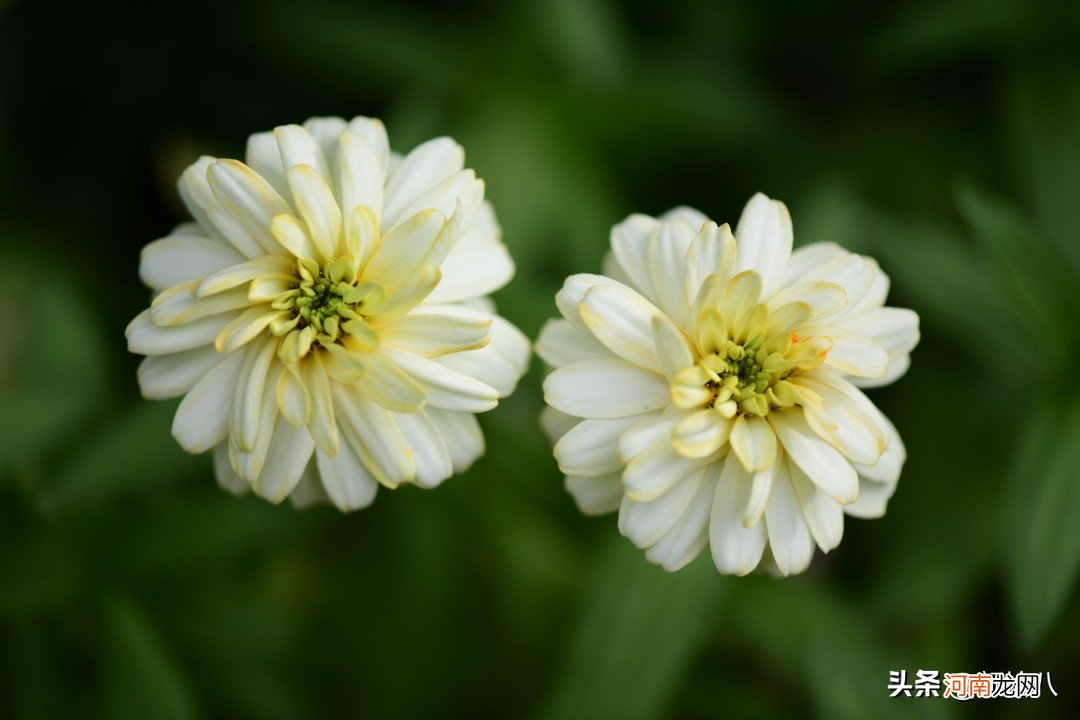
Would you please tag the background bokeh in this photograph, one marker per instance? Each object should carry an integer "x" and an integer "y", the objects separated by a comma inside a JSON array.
[{"x": 941, "y": 137}]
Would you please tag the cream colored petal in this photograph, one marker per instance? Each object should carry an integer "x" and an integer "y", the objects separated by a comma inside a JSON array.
[
  {"x": 650, "y": 429},
  {"x": 823, "y": 464},
  {"x": 446, "y": 389},
  {"x": 419, "y": 171},
  {"x": 499, "y": 364},
  {"x": 556, "y": 423},
  {"x": 362, "y": 236},
  {"x": 208, "y": 212},
  {"x": 754, "y": 443},
  {"x": 362, "y": 175},
  {"x": 346, "y": 480},
  {"x": 177, "y": 305},
  {"x": 645, "y": 523},
  {"x": 823, "y": 298},
  {"x": 201, "y": 420},
  {"x": 605, "y": 389},
  {"x": 851, "y": 353},
  {"x": 458, "y": 196},
  {"x": 667, "y": 248},
  {"x": 230, "y": 277},
  {"x": 182, "y": 258},
  {"x": 461, "y": 434},
  {"x": 561, "y": 343},
  {"x": 690, "y": 534},
  {"x": 595, "y": 495},
  {"x": 433, "y": 461},
  {"x": 736, "y": 549},
  {"x": 287, "y": 458},
  {"x": 405, "y": 248},
  {"x": 431, "y": 335},
  {"x": 374, "y": 434},
  {"x": 790, "y": 540},
  {"x": 630, "y": 246},
  {"x": 264, "y": 157},
  {"x": 145, "y": 338},
  {"x": 309, "y": 490},
  {"x": 292, "y": 234},
  {"x": 873, "y": 499},
  {"x": 841, "y": 421},
  {"x": 852, "y": 272},
  {"x": 824, "y": 516},
  {"x": 297, "y": 147},
  {"x": 315, "y": 201},
  {"x": 292, "y": 398},
  {"x": 761, "y": 487},
  {"x": 246, "y": 327},
  {"x": 473, "y": 270},
  {"x": 569, "y": 297},
  {"x": 411, "y": 292},
  {"x": 225, "y": 475},
  {"x": 701, "y": 433},
  {"x": 712, "y": 252},
  {"x": 737, "y": 300},
  {"x": 655, "y": 471},
  {"x": 248, "y": 463},
  {"x": 389, "y": 385},
  {"x": 248, "y": 198},
  {"x": 321, "y": 424},
  {"x": 764, "y": 236},
  {"x": 167, "y": 376},
  {"x": 674, "y": 351},
  {"x": 895, "y": 329},
  {"x": 591, "y": 447},
  {"x": 373, "y": 130},
  {"x": 246, "y": 413},
  {"x": 810, "y": 256},
  {"x": 622, "y": 320}
]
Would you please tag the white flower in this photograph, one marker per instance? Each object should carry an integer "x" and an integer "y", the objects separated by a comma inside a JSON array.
[
  {"x": 324, "y": 316},
  {"x": 717, "y": 377}
]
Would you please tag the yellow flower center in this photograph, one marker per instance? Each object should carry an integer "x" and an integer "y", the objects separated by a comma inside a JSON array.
[{"x": 326, "y": 305}]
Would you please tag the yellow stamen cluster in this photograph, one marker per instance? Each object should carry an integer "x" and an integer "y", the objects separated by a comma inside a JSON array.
[{"x": 325, "y": 305}]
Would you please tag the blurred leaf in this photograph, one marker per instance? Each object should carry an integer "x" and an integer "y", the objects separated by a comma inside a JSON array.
[
  {"x": 829, "y": 643},
  {"x": 136, "y": 450},
  {"x": 639, "y": 630},
  {"x": 51, "y": 362},
  {"x": 1042, "y": 520},
  {"x": 1044, "y": 110},
  {"x": 141, "y": 679}
]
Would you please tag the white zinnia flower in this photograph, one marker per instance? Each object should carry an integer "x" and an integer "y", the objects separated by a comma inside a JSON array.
[
  {"x": 324, "y": 316},
  {"x": 716, "y": 375}
]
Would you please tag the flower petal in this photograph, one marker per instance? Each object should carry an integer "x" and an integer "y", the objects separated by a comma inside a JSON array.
[
  {"x": 419, "y": 171},
  {"x": 591, "y": 447},
  {"x": 167, "y": 376},
  {"x": 595, "y": 495},
  {"x": 645, "y": 523},
  {"x": 286, "y": 460},
  {"x": 754, "y": 443},
  {"x": 790, "y": 540},
  {"x": 764, "y": 236},
  {"x": 736, "y": 549},
  {"x": 182, "y": 258},
  {"x": 201, "y": 420},
  {"x": 561, "y": 343},
  {"x": 605, "y": 389},
  {"x": 712, "y": 252},
  {"x": 446, "y": 389},
  {"x": 824, "y": 516},
  {"x": 461, "y": 434},
  {"x": 145, "y": 338},
  {"x": 622, "y": 320},
  {"x": 823, "y": 464}
]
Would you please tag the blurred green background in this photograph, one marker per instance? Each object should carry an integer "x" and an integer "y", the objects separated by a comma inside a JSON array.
[{"x": 941, "y": 137}]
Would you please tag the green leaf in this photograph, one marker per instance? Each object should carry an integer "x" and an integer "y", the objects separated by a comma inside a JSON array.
[
  {"x": 141, "y": 679},
  {"x": 1042, "y": 521},
  {"x": 639, "y": 630},
  {"x": 136, "y": 450}
]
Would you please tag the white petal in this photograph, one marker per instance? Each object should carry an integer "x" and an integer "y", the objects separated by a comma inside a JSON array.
[
  {"x": 645, "y": 523},
  {"x": 446, "y": 389},
  {"x": 622, "y": 320},
  {"x": 298, "y": 147},
  {"x": 225, "y": 475},
  {"x": 182, "y": 258},
  {"x": 736, "y": 549},
  {"x": 824, "y": 516},
  {"x": 605, "y": 389},
  {"x": 208, "y": 212},
  {"x": 841, "y": 420},
  {"x": 405, "y": 248},
  {"x": 373, "y": 130},
  {"x": 430, "y": 334},
  {"x": 374, "y": 435},
  {"x": 246, "y": 413},
  {"x": 362, "y": 179},
  {"x": 201, "y": 420},
  {"x": 655, "y": 471},
  {"x": 461, "y": 434},
  {"x": 473, "y": 270},
  {"x": 264, "y": 157},
  {"x": 347, "y": 482},
  {"x": 790, "y": 540},
  {"x": 873, "y": 499},
  {"x": 145, "y": 338},
  {"x": 167, "y": 376},
  {"x": 249, "y": 198},
  {"x": 674, "y": 351},
  {"x": 824, "y": 298},
  {"x": 810, "y": 256},
  {"x": 315, "y": 200},
  {"x": 830, "y": 470},
  {"x": 754, "y": 443},
  {"x": 569, "y": 297},
  {"x": 895, "y": 329},
  {"x": 852, "y": 272},
  {"x": 500, "y": 363},
  {"x": 309, "y": 490},
  {"x": 595, "y": 495},
  {"x": 649, "y": 429},
  {"x": 763, "y": 236},
  {"x": 290, "y": 450},
  {"x": 851, "y": 353},
  {"x": 592, "y": 447},
  {"x": 556, "y": 423},
  {"x": 712, "y": 252},
  {"x": 667, "y": 249},
  {"x": 689, "y": 535},
  {"x": 561, "y": 343},
  {"x": 420, "y": 170},
  {"x": 433, "y": 461},
  {"x": 630, "y": 246}
]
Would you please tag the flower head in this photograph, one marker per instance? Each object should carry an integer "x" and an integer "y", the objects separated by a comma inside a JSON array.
[
  {"x": 325, "y": 317},
  {"x": 707, "y": 386}
]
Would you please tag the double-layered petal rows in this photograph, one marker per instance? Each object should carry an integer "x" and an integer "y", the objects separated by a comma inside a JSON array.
[
  {"x": 324, "y": 317},
  {"x": 708, "y": 387}
]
